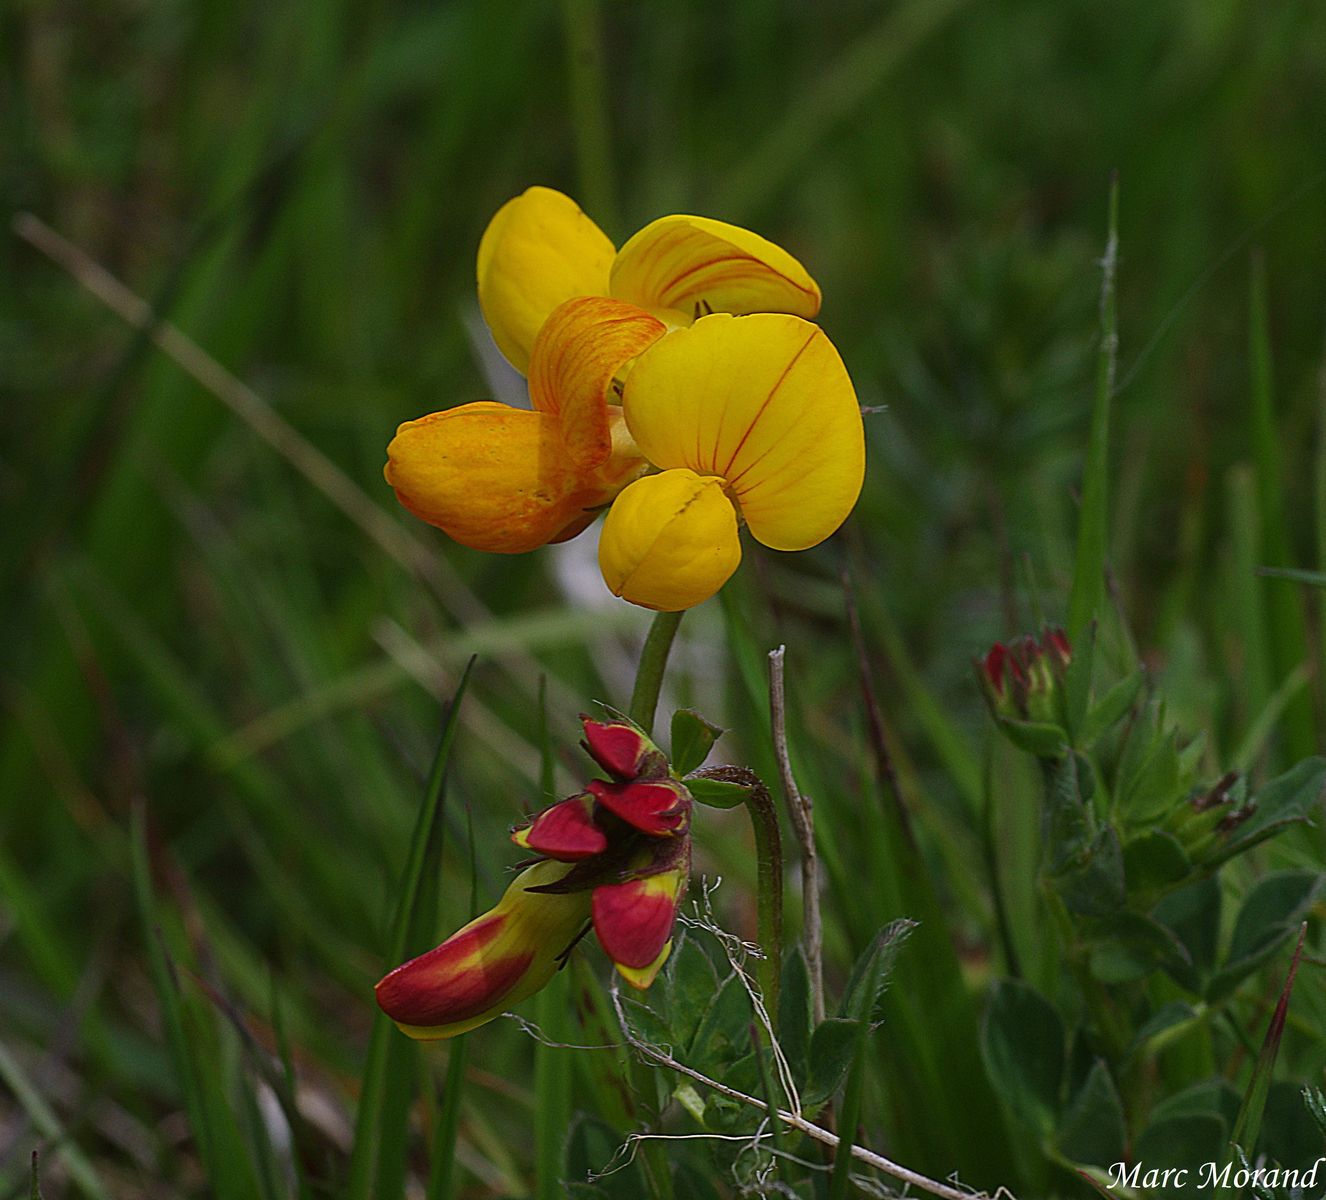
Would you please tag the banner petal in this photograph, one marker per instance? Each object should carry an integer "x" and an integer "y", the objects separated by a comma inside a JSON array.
[
  {"x": 539, "y": 250},
  {"x": 697, "y": 265}
]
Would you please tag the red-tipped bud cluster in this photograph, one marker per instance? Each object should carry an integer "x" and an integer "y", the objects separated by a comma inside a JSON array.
[
  {"x": 1021, "y": 679},
  {"x": 616, "y": 854}
]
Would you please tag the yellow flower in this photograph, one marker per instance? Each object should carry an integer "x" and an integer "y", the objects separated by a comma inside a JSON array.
[
  {"x": 748, "y": 412},
  {"x": 747, "y": 416},
  {"x": 540, "y": 250}
]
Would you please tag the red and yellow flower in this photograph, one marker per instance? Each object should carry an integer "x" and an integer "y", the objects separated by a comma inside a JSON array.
[
  {"x": 615, "y": 857},
  {"x": 681, "y": 372}
]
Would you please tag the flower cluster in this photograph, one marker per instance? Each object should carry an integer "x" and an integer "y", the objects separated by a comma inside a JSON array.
[
  {"x": 678, "y": 380},
  {"x": 616, "y": 856},
  {"x": 1020, "y": 680}
]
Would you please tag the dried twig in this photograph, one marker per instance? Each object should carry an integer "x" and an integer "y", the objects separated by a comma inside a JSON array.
[
  {"x": 801, "y": 809},
  {"x": 800, "y": 1124}
]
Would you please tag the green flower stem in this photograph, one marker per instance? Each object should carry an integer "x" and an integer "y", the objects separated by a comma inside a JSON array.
[
  {"x": 653, "y": 665},
  {"x": 768, "y": 877}
]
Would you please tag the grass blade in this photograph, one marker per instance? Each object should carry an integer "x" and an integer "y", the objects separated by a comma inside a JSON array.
[
  {"x": 1249, "y": 1122},
  {"x": 1283, "y": 612},
  {"x": 386, "y": 1076},
  {"x": 1087, "y": 598},
  {"x": 552, "y": 1068},
  {"x": 29, "y": 1099}
]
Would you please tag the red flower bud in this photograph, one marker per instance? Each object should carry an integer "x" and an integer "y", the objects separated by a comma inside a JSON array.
[
  {"x": 566, "y": 831},
  {"x": 492, "y": 963},
  {"x": 621, "y": 750},
  {"x": 634, "y": 919},
  {"x": 660, "y": 808}
]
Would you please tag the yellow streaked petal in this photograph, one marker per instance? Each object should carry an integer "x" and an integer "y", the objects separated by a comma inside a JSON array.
[
  {"x": 669, "y": 541},
  {"x": 538, "y": 251},
  {"x": 492, "y": 477},
  {"x": 582, "y": 345},
  {"x": 642, "y": 977},
  {"x": 491, "y": 964},
  {"x": 764, "y": 402},
  {"x": 698, "y": 265}
]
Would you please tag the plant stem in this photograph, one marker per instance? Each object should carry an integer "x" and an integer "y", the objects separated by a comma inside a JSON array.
[
  {"x": 801, "y": 810},
  {"x": 653, "y": 664},
  {"x": 587, "y": 79},
  {"x": 768, "y": 877}
]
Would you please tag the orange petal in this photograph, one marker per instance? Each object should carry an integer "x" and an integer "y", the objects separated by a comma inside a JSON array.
[
  {"x": 492, "y": 477},
  {"x": 538, "y": 251},
  {"x": 765, "y": 403},
  {"x": 698, "y": 265},
  {"x": 582, "y": 345}
]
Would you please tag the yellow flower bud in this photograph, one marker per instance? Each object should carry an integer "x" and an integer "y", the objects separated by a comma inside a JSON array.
[{"x": 670, "y": 541}]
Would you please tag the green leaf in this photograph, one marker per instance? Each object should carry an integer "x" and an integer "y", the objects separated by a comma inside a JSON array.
[
  {"x": 1193, "y": 913},
  {"x": 1289, "y": 1133},
  {"x": 1180, "y": 1143},
  {"x": 831, "y": 1048},
  {"x": 870, "y": 975},
  {"x": 1110, "y": 709},
  {"x": 863, "y": 993},
  {"x": 689, "y": 984},
  {"x": 645, "y": 1023},
  {"x": 1092, "y": 1130},
  {"x": 1216, "y": 1097},
  {"x": 1022, "y": 1046},
  {"x": 1270, "y": 916},
  {"x": 1128, "y": 945},
  {"x": 692, "y": 739},
  {"x": 1287, "y": 800},
  {"x": 1035, "y": 737},
  {"x": 1154, "y": 862},
  {"x": 723, "y": 1035},
  {"x": 794, "y": 1015},
  {"x": 1150, "y": 791},
  {"x": 1315, "y": 1101},
  {"x": 591, "y": 1145},
  {"x": 1168, "y": 1022},
  {"x": 694, "y": 1184},
  {"x": 717, "y": 793},
  {"x": 1066, "y": 822},
  {"x": 1092, "y": 884}
]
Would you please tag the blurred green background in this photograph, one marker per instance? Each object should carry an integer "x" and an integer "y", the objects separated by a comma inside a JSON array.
[{"x": 191, "y": 626}]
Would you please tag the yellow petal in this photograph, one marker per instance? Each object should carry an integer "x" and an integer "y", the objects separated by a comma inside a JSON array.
[
  {"x": 538, "y": 251},
  {"x": 582, "y": 345},
  {"x": 699, "y": 266},
  {"x": 764, "y": 402},
  {"x": 669, "y": 541},
  {"x": 492, "y": 477}
]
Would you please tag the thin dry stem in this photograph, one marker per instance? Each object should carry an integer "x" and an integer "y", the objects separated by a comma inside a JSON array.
[{"x": 800, "y": 1124}]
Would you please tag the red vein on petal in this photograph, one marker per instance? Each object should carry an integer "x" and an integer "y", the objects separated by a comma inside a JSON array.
[{"x": 755, "y": 420}]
